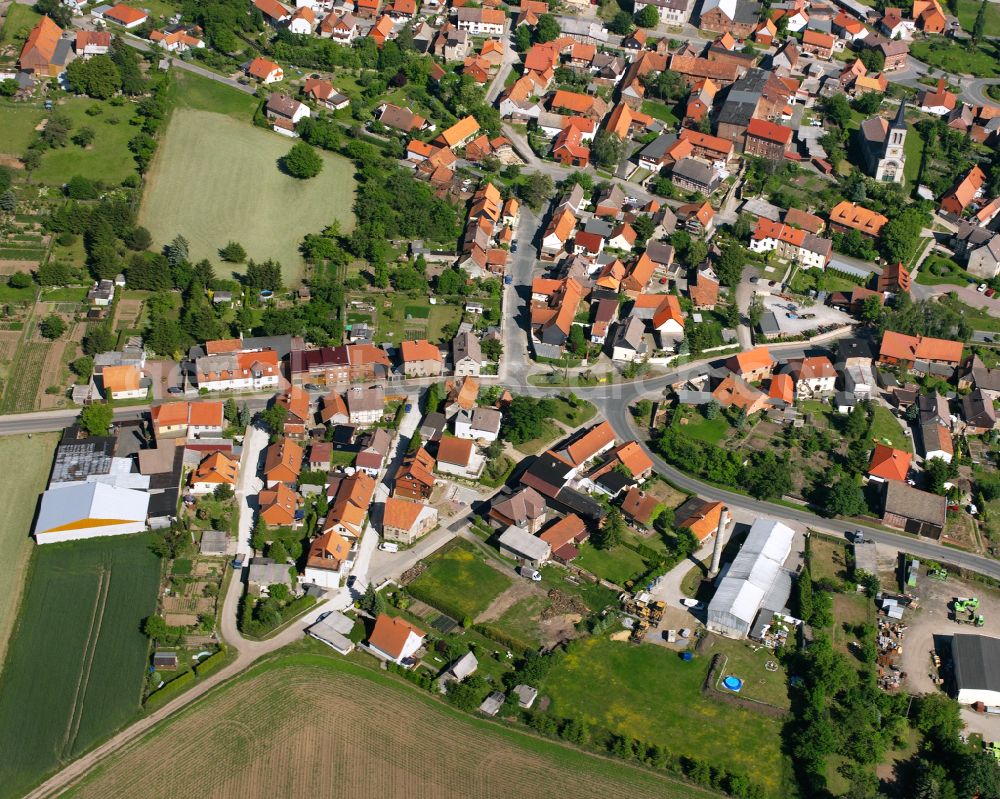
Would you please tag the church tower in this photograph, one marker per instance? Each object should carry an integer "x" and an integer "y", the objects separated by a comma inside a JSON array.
[{"x": 893, "y": 160}]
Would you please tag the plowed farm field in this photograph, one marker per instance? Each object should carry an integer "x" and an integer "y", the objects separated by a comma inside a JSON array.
[{"x": 312, "y": 725}]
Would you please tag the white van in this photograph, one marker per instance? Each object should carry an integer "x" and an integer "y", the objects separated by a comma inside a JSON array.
[{"x": 389, "y": 546}]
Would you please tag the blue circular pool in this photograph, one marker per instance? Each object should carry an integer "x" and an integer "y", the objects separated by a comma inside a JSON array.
[{"x": 734, "y": 684}]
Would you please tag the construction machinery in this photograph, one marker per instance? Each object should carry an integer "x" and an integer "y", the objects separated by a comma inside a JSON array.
[
  {"x": 971, "y": 617},
  {"x": 639, "y": 631},
  {"x": 643, "y": 607},
  {"x": 938, "y": 574},
  {"x": 963, "y": 604}
]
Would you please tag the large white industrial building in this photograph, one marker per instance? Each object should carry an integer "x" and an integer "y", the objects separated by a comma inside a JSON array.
[
  {"x": 756, "y": 580},
  {"x": 977, "y": 669},
  {"x": 90, "y": 510}
]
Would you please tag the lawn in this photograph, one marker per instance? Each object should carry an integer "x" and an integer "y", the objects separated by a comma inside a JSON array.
[
  {"x": 202, "y": 94},
  {"x": 957, "y": 58},
  {"x": 19, "y": 122},
  {"x": 227, "y": 173},
  {"x": 617, "y": 564},
  {"x": 710, "y": 431},
  {"x": 573, "y": 416},
  {"x": 913, "y": 148},
  {"x": 887, "y": 426},
  {"x": 367, "y": 731},
  {"x": 938, "y": 270},
  {"x": 520, "y": 621},
  {"x": 805, "y": 280},
  {"x": 649, "y": 693},
  {"x": 75, "y": 666},
  {"x": 659, "y": 111},
  {"x": 827, "y": 558},
  {"x": 749, "y": 664},
  {"x": 535, "y": 445},
  {"x": 977, "y": 318},
  {"x": 108, "y": 159},
  {"x": 18, "y": 24},
  {"x": 459, "y": 582},
  {"x": 33, "y": 457},
  {"x": 967, "y": 10}
]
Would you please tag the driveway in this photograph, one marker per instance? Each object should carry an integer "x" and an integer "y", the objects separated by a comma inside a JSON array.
[{"x": 248, "y": 486}]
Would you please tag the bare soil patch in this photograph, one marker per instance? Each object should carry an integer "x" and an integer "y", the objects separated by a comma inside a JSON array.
[
  {"x": 10, "y": 266},
  {"x": 521, "y": 589}
]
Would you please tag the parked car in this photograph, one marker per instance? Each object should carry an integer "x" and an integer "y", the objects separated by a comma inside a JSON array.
[
  {"x": 532, "y": 574},
  {"x": 856, "y": 537},
  {"x": 981, "y": 288},
  {"x": 175, "y": 390},
  {"x": 693, "y": 604},
  {"x": 389, "y": 546},
  {"x": 513, "y": 247}
]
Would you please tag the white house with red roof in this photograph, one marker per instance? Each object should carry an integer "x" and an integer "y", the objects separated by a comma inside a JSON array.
[{"x": 395, "y": 639}]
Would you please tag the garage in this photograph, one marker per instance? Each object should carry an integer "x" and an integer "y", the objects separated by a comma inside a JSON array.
[{"x": 976, "y": 660}]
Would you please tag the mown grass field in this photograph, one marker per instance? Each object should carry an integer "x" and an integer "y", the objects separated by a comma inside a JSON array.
[
  {"x": 18, "y": 493},
  {"x": 649, "y": 693},
  {"x": 215, "y": 179},
  {"x": 458, "y": 582},
  {"x": 887, "y": 427},
  {"x": 617, "y": 564},
  {"x": 74, "y": 669},
  {"x": 967, "y": 11},
  {"x": 201, "y": 94},
  {"x": 18, "y": 23},
  {"x": 19, "y": 122},
  {"x": 366, "y": 734},
  {"x": 108, "y": 159}
]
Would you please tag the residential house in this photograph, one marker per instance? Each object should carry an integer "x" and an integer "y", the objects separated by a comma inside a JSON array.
[
  {"x": 91, "y": 43},
  {"x": 481, "y": 21},
  {"x": 702, "y": 517},
  {"x": 273, "y": 11},
  {"x": 752, "y": 365},
  {"x": 698, "y": 218},
  {"x": 563, "y": 535},
  {"x": 334, "y": 410},
  {"x": 330, "y": 556},
  {"x": 302, "y": 21},
  {"x": 177, "y": 41},
  {"x": 215, "y": 470},
  {"x": 936, "y": 442},
  {"x": 282, "y": 463},
  {"x": 735, "y": 392},
  {"x": 124, "y": 382},
  {"x": 978, "y": 412},
  {"x": 781, "y": 390},
  {"x": 814, "y": 377},
  {"x": 888, "y": 463},
  {"x": 979, "y": 247},
  {"x": 365, "y": 405},
  {"x": 191, "y": 420},
  {"x": 899, "y": 349},
  {"x": 382, "y": 30},
  {"x": 351, "y": 497},
  {"x": 552, "y": 317},
  {"x": 640, "y": 508},
  {"x": 126, "y": 16},
  {"x": 236, "y": 370},
  {"x": 982, "y": 379},
  {"x": 478, "y": 424},
  {"x": 397, "y": 118},
  {"x": 324, "y": 94},
  {"x": 969, "y": 188},
  {"x": 405, "y": 521},
  {"x": 458, "y": 134},
  {"x": 342, "y": 29},
  {"x": 320, "y": 457},
  {"x": 629, "y": 341},
  {"x": 690, "y": 174},
  {"x": 374, "y": 449},
  {"x": 395, "y": 639},
  {"x": 818, "y": 44},
  {"x": 298, "y": 417},
  {"x": 458, "y": 457},
  {"x": 414, "y": 479},
  {"x": 265, "y": 71},
  {"x": 460, "y": 395},
  {"x": 278, "y": 506},
  {"x": 729, "y": 16},
  {"x": 703, "y": 290},
  {"x": 525, "y": 508},
  {"x": 895, "y": 278},
  {"x": 568, "y": 148},
  {"x": 767, "y": 139},
  {"x": 421, "y": 358},
  {"x": 847, "y": 216}
]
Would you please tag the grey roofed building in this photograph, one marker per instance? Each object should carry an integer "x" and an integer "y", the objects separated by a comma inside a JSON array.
[
  {"x": 333, "y": 630},
  {"x": 265, "y": 572},
  {"x": 526, "y": 695},
  {"x": 631, "y": 335},
  {"x": 525, "y": 508},
  {"x": 769, "y": 325},
  {"x": 282, "y": 105},
  {"x": 689, "y": 397},
  {"x": 660, "y": 252},
  {"x": 602, "y": 227},
  {"x": 491, "y": 705},
  {"x": 466, "y": 345},
  {"x": 464, "y": 667},
  {"x": 487, "y": 420},
  {"x": 855, "y": 348},
  {"x": 690, "y": 172},
  {"x": 656, "y": 149},
  {"x": 978, "y": 410},
  {"x": 913, "y": 510},
  {"x": 106, "y": 510},
  {"x": 985, "y": 379},
  {"x": 214, "y": 542},
  {"x": 432, "y": 426},
  {"x": 976, "y": 660},
  {"x": 79, "y": 458},
  {"x": 524, "y": 546},
  {"x": 741, "y": 102},
  {"x": 755, "y": 582},
  {"x": 933, "y": 408}
]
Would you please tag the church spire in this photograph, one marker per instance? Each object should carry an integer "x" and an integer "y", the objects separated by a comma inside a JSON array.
[{"x": 900, "y": 120}]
